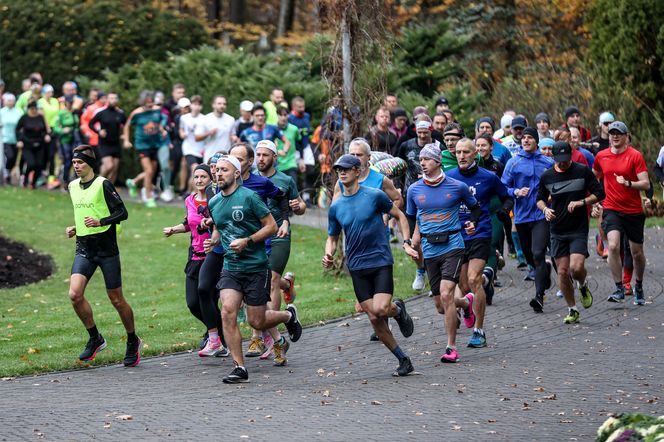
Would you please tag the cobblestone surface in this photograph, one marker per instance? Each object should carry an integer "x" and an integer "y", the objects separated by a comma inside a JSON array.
[{"x": 537, "y": 380}]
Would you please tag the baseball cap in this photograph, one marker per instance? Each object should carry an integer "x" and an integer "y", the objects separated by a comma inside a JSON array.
[
  {"x": 618, "y": 126},
  {"x": 562, "y": 151},
  {"x": 268, "y": 145},
  {"x": 184, "y": 102},
  {"x": 231, "y": 159},
  {"x": 505, "y": 120},
  {"x": 441, "y": 100},
  {"x": 246, "y": 106},
  {"x": 347, "y": 162},
  {"x": 519, "y": 122},
  {"x": 606, "y": 117}
]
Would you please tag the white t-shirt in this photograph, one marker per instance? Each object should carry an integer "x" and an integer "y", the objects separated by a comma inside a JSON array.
[
  {"x": 220, "y": 141},
  {"x": 192, "y": 125}
]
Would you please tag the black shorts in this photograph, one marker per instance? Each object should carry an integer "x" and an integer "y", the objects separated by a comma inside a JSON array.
[
  {"x": 110, "y": 268},
  {"x": 567, "y": 243},
  {"x": 255, "y": 287},
  {"x": 151, "y": 153},
  {"x": 447, "y": 267},
  {"x": 193, "y": 159},
  {"x": 479, "y": 248},
  {"x": 629, "y": 225},
  {"x": 279, "y": 254},
  {"x": 109, "y": 150},
  {"x": 368, "y": 282}
]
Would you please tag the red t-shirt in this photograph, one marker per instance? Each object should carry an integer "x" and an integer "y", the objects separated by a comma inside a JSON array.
[
  {"x": 628, "y": 164},
  {"x": 578, "y": 157}
]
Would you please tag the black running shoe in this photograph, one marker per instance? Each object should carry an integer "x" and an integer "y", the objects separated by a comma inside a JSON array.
[
  {"x": 238, "y": 375},
  {"x": 488, "y": 286},
  {"x": 293, "y": 326},
  {"x": 405, "y": 367},
  {"x": 133, "y": 353},
  {"x": 374, "y": 337},
  {"x": 537, "y": 303},
  {"x": 94, "y": 345},
  {"x": 404, "y": 320}
]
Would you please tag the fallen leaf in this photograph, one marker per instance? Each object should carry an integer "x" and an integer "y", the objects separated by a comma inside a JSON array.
[
  {"x": 33, "y": 350},
  {"x": 124, "y": 417},
  {"x": 376, "y": 403},
  {"x": 107, "y": 425}
]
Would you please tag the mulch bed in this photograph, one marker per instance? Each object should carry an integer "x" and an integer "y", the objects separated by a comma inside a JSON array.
[{"x": 20, "y": 265}]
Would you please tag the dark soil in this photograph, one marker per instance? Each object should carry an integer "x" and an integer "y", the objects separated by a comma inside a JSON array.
[{"x": 20, "y": 265}]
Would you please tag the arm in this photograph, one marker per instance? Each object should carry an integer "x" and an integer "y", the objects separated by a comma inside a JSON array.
[
  {"x": 93, "y": 123},
  {"x": 180, "y": 228},
  {"x": 643, "y": 182},
  {"x": 330, "y": 248},
  {"x": 115, "y": 206},
  {"x": 125, "y": 129},
  {"x": 392, "y": 192},
  {"x": 405, "y": 230}
]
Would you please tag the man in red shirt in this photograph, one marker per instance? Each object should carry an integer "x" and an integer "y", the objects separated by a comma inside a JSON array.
[{"x": 625, "y": 175}]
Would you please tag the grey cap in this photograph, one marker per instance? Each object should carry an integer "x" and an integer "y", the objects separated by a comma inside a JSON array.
[
  {"x": 347, "y": 162},
  {"x": 618, "y": 126}
]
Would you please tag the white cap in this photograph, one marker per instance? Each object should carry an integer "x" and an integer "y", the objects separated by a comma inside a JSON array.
[
  {"x": 184, "y": 102},
  {"x": 505, "y": 121},
  {"x": 268, "y": 145},
  {"x": 246, "y": 106},
  {"x": 231, "y": 159}
]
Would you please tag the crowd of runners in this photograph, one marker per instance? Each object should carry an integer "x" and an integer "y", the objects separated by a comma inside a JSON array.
[{"x": 460, "y": 204}]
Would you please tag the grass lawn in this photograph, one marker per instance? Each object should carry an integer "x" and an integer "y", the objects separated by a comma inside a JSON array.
[{"x": 40, "y": 332}]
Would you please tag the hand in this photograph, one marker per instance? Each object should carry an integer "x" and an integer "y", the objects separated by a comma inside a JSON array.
[
  {"x": 102, "y": 133},
  {"x": 47, "y": 138},
  {"x": 168, "y": 231},
  {"x": 550, "y": 214},
  {"x": 469, "y": 226},
  {"x": 66, "y": 130},
  {"x": 302, "y": 166},
  {"x": 410, "y": 251},
  {"x": 647, "y": 203},
  {"x": 597, "y": 211},
  {"x": 70, "y": 231},
  {"x": 281, "y": 152},
  {"x": 19, "y": 144},
  {"x": 91, "y": 222},
  {"x": 283, "y": 230},
  {"x": 206, "y": 223},
  {"x": 208, "y": 245},
  {"x": 573, "y": 205},
  {"x": 127, "y": 144},
  {"x": 621, "y": 180},
  {"x": 522, "y": 192},
  {"x": 294, "y": 204},
  {"x": 328, "y": 260},
  {"x": 238, "y": 245}
]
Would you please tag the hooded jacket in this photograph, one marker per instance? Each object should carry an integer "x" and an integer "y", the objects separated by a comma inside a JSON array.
[{"x": 524, "y": 170}]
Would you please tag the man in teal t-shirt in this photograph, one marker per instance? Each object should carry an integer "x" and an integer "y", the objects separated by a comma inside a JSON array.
[
  {"x": 242, "y": 224},
  {"x": 287, "y": 162}
]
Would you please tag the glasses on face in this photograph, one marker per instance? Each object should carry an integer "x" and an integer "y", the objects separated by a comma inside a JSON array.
[
  {"x": 615, "y": 134},
  {"x": 342, "y": 170},
  {"x": 606, "y": 123}
]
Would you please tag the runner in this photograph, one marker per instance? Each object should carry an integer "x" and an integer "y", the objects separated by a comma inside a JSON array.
[
  {"x": 442, "y": 243},
  {"x": 625, "y": 175},
  {"x": 245, "y": 223},
  {"x": 66, "y": 128},
  {"x": 193, "y": 148},
  {"x": 572, "y": 188},
  {"x": 108, "y": 124},
  {"x": 217, "y": 129},
  {"x": 359, "y": 214},
  {"x": 266, "y": 159},
  {"x": 32, "y": 137},
  {"x": 484, "y": 186},
  {"x": 98, "y": 210},
  {"x": 521, "y": 176},
  {"x": 261, "y": 131},
  {"x": 9, "y": 116},
  {"x": 196, "y": 206}
]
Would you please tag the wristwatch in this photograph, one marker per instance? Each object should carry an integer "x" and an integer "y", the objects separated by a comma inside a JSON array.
[{"x": 408, "y": 241}]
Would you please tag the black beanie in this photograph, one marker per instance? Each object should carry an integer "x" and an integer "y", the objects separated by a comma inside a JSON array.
[
  {"x": 205, "y": 168},
  {"x": 532, "y": 132}
]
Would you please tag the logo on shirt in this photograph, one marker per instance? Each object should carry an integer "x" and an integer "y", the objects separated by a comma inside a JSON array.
[{"x": 238, "y": 215}]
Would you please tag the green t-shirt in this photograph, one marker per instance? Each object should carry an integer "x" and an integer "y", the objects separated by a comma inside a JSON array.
[
  {"x": 292, "y": 133},
  {"x": 271, "y": 116},
  {"x": 286, "y": 184},
  {"x": 22, "y": 100},
  {"x": 239, "y": 215},
  {"x": 449, "y": 161},
  {"x": 66, "y": 119},
  {"x": 50, "y": 108},
  {"x": 147, "y": 129}
]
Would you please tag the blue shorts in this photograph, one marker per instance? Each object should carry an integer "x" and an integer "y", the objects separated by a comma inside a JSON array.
[{"x": 110, "y": 268}]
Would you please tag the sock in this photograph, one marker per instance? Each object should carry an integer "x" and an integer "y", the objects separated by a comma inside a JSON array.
[
  {"x": 619, "y": 285},
  {"x": 214, "y": 335},
  {"x": 282, "y": 341},
  {"x": 400, "y": 355},
  {"x": 452, "y": 347},
  {"x": 421, "y": 270},
  {"x": 291, "y": 317},
  {"x": 131, "y": 337},
  {"x": 479, "y": 330},
  {"x": 93, "y": 331},
  {"x": 573, "y": 308},
  {"x": 639, "y": 284},
  {"x": 582, "y": 283}
]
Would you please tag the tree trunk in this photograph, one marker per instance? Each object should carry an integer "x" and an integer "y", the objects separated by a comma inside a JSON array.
[
  {"x": 347, "y": 64},
  {"x": 285, "y": 23},
  {"x": 237, "y": 10}
]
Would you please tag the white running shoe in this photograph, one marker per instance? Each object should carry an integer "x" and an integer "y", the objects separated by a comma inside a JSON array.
[
  {"x": 418, "y": 282},
  {"x": 167, "y": 195},
  {"x": 144, "y": 195}
]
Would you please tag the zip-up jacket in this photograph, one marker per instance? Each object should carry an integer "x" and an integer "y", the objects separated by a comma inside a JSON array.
[{"x": 525, "y": 170}]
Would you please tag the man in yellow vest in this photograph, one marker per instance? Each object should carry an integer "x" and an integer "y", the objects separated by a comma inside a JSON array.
[{"x": 98, "y": 211}]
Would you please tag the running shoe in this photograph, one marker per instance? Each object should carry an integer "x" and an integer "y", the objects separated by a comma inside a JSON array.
[
  {"x": 450, "y": 355},
  {"x": 586, "y": 296},
  {"x": 478, "y": 340},
  {"x": 548, "y": 282},
  {"x": 488, "y": 284},
  {"x": 500, "y": 261},
  {"x": 374, "y": 337},
  {"x": 628, "y": 288},
  {"x": 133, "y": 191},
  {"x": 289, "y": 293},
  {"x": 418, "y": 282},
  {"x": 269, "y": 342},
  {"x": 537, "y": 303},
  {"x": 530, "y": 276},
  {"x": 403, "y": 319},
  {"x": 133, "y": 353},
  {"x": 238, "y": 375},
  {"x": 94, "y": 345},
  {"x": 511, "y": 250},
  {"x": 617, "y": 296},
  {"x": 572, "y": 317},
  {"x": 150, "y": 203},
  {"x": 256, "y": 348},
  {"x": 522, "y": 260},
  {"x": 52, "y": 182},
  {"x": 639, "y": 296},
  {"x": 204, "y": 340},
  {"x": 293, "y": 325},
  {"x": 559, "y": 294},
  {"x": 223, "y": 353},
  {"x": 405, "y": 367},
  {"x": 167, "y": 195},
  {"x": 280, "y": 353},
  {"x": 211, "y": 349},
  {"x": 468, "y": 313}
]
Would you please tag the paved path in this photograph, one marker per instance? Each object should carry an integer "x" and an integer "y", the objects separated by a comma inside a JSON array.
[{"x": 537, "y": 380}]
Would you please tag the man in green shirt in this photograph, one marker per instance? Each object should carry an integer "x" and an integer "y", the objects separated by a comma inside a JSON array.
[
  {"x": 66, "y": 124},
  {"x": 276, "y": 101},
  {"x": 243, "y": 223},
  {"x": 286, "y": 154}
]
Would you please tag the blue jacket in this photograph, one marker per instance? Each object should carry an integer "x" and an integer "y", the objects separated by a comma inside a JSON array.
[{"x": 525, "y": 170}]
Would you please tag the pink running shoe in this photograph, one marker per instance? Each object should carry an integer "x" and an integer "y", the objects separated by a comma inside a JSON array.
[
  {"x": 450, "y": 355},
  {"x": 269, "y": 342},
  {"x": 211, "y": 349},
  {"x": 468, "y": 313}
]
